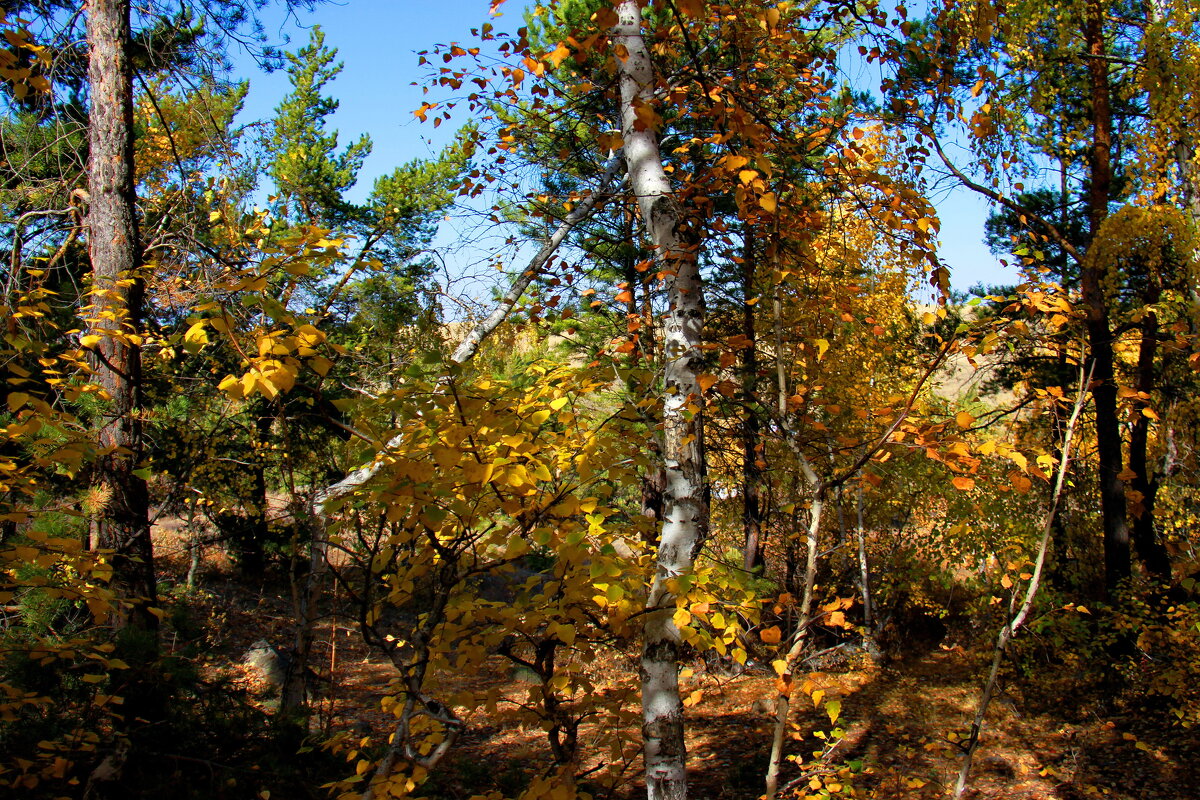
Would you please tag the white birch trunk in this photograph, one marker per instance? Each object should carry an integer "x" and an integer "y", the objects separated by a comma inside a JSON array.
[{"x": 685, "y": 512}]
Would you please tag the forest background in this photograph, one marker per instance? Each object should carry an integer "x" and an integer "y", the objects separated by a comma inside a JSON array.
[{"x": 295, "y": 502}]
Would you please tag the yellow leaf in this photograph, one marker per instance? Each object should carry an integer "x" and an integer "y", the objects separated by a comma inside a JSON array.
[
  {"x": 780, "y": 666},
  {"x": 834, "y": 709},
  {"x": 682, "y": 618},
  {"x": 768, "y": 202},
  {"x": 89, "y": 341},
  {"x": 445, "y": 457},
  {"x": 565, "y": 633},
  {"x": 647, "y": 117},
  {"x": 320, "y": 365},
  {"x": 195, "y": 337},
  {"x": 232, "y": 386},
  {"x": 517, "y": 476},
  {"x": 558, "y": 402},
  {"x": 964, "y": 420}
]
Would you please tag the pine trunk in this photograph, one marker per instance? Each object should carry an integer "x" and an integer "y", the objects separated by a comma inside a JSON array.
[
  {"x": 121, "y": 523},
  {"x": 1100, "y": 341}
]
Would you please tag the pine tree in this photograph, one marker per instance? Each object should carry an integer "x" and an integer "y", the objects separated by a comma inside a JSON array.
[{"x": 309, "y": 171}]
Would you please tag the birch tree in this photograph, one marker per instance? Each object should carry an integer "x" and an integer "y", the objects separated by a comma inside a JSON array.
[{"x": 685, "y": 501}]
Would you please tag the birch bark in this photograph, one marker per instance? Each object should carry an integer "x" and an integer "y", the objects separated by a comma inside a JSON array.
[{"x": 685, "y": 501}]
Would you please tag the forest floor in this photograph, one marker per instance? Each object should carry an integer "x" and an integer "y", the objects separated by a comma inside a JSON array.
[{"x": 1045, "y": 736}]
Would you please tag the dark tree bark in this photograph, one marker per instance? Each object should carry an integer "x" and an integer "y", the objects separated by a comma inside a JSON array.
[
  {"x": 251, "y": 544},
  {"x": 1149, "y": 549},
  {"x": 752, "y": 500},
  {"x": 122, "y": 523},
  {"x": 1100, "y": 340}
]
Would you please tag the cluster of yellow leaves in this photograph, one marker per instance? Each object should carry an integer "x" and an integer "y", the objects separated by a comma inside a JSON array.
[
  {"x": 23, "y": 60},
  {"x": 1153, "y": 244},
  {"x": 503, "y": 540},
  {"x": 279, "y": 350}
]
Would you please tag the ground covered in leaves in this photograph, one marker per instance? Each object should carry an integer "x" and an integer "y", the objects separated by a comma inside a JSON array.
[{"x": 901, "y": 725}]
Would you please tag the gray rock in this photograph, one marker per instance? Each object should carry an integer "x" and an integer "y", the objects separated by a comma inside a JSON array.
[{"x": 270, "y": 662}]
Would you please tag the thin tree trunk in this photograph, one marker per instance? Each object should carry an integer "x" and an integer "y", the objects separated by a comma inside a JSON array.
[
  {"x": 752, "y": 499},
  {"x": 864, "y": 575},
  {"x": 122, "y": 524},
  {"x": 783, "y": 700},
  {"x": 1010, "y": 629},
  {"x": 685, "y": 514},
  {"x": 799, "y": 637},
  {"x": 195, "y": 545},
  {"x": 1149, "y": 549}
]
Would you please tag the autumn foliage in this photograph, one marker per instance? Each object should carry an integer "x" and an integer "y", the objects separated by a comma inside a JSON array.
[{"x": 285, "y": 510}]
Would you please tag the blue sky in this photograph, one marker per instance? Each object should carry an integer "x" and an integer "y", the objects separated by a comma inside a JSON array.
[{"x": 378, "y": 40}]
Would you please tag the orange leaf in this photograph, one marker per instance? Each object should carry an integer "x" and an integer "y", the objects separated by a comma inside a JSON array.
[
  {"x": 605, "y": 17},
  {"x": 706, "y": 382},
  {"x": 771, "y": 635},
  {"x": 964, "y": 483},
  {"x": 559, "y": 55}
]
